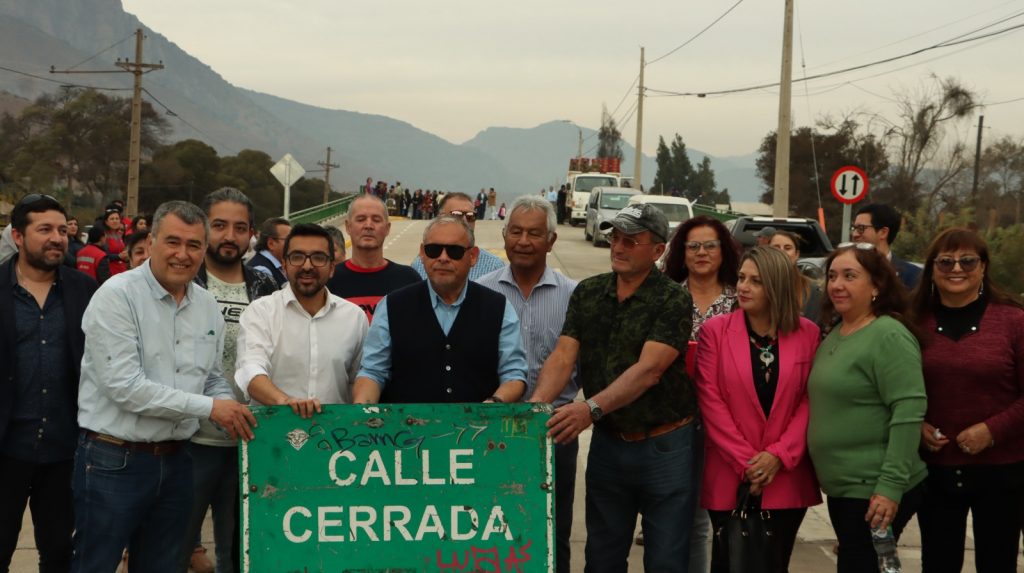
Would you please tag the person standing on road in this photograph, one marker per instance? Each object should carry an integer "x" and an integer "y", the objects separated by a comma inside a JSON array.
[
  {"x": 446, "y": 339},
  {"x": 973, "y": 433},
  {"x": 368, "y": 277},
  {"x": 867, "y": 403},
  {"x": 628, "y": 331},
  {"x": 41, "y": 344},
  {"x": 270, "y": 249},
  {"x": 560, "y": 204},
  {"x": 301, "y": 346},
  {"x": 460, "y": 205},
  {"x": 151, "y": 369},
  {"x": 215, "y": 454},
  {"x": 540, "y": 297},
  {"x": 879, "y": 224},
  {"x": 752, "y": 367},
  {"x": 704, "y": 259},
  {"x": 492, "y": 204}
]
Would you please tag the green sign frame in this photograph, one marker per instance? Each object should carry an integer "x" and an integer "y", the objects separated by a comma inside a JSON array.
[{"x": 439, "y": 488}]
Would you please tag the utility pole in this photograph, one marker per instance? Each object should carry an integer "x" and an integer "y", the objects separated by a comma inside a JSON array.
[
  {"x": 136, "y": 68},
  {"x": 327, "y": 165},
  {"x": 977, "y": 164},
  {"x": 780, "y": 208},
  {"x": 579, "y": 145},
  {"x": 638, "y": 158}
]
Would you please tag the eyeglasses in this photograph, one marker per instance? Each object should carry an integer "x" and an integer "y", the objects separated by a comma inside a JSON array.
[
  {"x": 626, "y": 241},
  {"x": 455, "y": 252},
  {"x": 317, "y": 259},
  {"x": 709, "y": 246},
  {"x": 859, "y": 229},
  {"x": 967, "y": 264},
  {"x": 858, "y": 246},
  {"x": 469, "y": 216},
  {"x": 33, "y": 198}
]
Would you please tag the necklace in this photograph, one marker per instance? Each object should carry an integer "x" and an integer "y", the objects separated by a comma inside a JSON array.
[{"x": 766, "y": 356}]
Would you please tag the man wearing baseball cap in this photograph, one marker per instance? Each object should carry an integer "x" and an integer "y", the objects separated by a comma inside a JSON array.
[{"x": 629, "y": 330}]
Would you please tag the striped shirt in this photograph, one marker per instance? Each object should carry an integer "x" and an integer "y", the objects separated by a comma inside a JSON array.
[{"x": 540, "y": 320}]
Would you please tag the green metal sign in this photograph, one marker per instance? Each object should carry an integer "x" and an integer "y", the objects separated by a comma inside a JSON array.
[{"x": 446, "y": 488}]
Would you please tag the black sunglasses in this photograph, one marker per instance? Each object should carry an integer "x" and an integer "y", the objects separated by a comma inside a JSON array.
[
  {"x": 455, "y": 252},
  {"x": 967, "y": 264}
]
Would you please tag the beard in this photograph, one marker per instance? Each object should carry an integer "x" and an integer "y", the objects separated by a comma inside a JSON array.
[
  {"x": 307, "y": 290},
  {"x": 43, "y": 259},
  {"x": 215, "y": 253}
]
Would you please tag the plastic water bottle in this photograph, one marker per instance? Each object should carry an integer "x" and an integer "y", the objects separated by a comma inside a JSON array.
[{"x": 885, "y": 548}]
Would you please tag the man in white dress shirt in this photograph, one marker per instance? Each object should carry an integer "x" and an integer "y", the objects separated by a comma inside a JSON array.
[{"x": 302, "y": 345}]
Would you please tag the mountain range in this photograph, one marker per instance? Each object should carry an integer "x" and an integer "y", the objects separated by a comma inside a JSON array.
[{"x": 37, "y": 35}]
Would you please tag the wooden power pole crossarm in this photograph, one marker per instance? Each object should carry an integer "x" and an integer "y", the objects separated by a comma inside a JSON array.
[
  {"x": 136, "y": 68},
  {"x": 327, "y": 165}
]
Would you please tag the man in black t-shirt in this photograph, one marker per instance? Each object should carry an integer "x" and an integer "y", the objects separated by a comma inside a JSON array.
[{"x": 368, "y": 277}]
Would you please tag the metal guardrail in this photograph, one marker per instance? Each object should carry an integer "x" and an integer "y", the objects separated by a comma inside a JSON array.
[
  {"x": 321, "y": 213},
  {"x": 716, "y": 214}
]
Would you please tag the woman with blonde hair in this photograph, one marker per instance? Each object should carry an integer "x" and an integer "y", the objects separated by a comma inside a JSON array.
[{"x": 752, "y": 369}]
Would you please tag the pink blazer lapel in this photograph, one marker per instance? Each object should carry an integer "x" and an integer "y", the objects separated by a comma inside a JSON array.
[{"x": 739, "y": 358}]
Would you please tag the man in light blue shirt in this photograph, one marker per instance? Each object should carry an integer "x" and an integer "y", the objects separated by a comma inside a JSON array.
[
  {"x": 151, "y": 370},
  {"x": 445, "y": 339},
  {"x": 540, "y": 297},
  {"x": 460, "y": 205}
]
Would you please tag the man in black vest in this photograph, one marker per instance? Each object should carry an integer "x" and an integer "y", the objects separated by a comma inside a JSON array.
[
  {"x": 444, "y": 339},
  {"x": 270, "y": 249},
  {"x": 41, "y": 345}
]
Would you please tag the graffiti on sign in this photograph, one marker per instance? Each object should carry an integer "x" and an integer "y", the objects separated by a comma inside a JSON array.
[{"x": 432, "y": 487}]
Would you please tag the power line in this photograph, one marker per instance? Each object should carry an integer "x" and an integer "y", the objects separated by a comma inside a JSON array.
[
  {"x": 629, "y": 90},
  {"x": 108, "y": 48},
  {"x": 65, "y": 84},
  {"x": 697, "y": 35},
  {"x": 177, "y": 116},
  {"x": 945, "y": 44},
  {"x": 1002, "y": 102}
]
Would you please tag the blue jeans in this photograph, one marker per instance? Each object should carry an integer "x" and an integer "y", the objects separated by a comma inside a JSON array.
[
  {"x": 700, "y": 533},
  {"x": 129, "y": 498},
  {"x": 565, "y": 494},
  {"x": 652, "y": 477},
  {"x": 215, "y": 475}
]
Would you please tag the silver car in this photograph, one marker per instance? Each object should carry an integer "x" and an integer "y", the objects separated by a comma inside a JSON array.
[{"x": 605, "y": 203}]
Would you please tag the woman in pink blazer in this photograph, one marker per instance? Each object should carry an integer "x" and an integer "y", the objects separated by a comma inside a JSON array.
[{"x": 752, "y": 368}]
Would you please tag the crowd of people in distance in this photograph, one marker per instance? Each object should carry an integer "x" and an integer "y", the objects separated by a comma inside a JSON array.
[
  {"x": 708, "y": 372},
  {"x": 425, "y": 204}
]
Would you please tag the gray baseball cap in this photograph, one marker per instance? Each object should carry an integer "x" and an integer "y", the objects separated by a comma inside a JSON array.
[
  {"x": 638, "y": 218},
  {"x": 765, "y": 233}
]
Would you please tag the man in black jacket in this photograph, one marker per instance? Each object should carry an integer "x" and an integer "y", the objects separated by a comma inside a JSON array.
[
  {"x": 41, "y": 345},
  {"x": 270, "y": 249},
  {"x": 214, "y": 454}
]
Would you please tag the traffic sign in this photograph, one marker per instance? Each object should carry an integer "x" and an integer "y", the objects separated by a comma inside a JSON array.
[
  {"x": 849, "y": 184},
  {"x": 287, "y": 171},
  {"x": 414, "y": 488}
]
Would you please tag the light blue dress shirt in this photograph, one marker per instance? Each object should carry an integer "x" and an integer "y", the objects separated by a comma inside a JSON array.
[
  {"x": 487, "y": 262},
  {"x": 540, "y": 318},
  {"x": 151, "y": 366},
  {"x": 377, "y": 346}
]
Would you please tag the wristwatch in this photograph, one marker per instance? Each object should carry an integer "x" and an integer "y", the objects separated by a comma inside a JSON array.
[{"x": 596, "y": 413}]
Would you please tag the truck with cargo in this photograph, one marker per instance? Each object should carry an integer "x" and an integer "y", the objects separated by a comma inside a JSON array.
[{"x": 584, "y": 174}]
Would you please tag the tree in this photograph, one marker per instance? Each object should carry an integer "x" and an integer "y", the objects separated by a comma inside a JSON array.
[
  {"x": 834, "y": 146},
  {"x": 609, "y": 138},
  {"x": 703, "y": 189},
  {"x": 674, "y": 169},
  {"x": 1002, "y": 165},
  {"x": 916, "y": 141}
]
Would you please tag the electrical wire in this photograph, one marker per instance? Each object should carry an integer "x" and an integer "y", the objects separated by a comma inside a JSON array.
[
  {"x": 108, "y": 48},
  {"x": 945, "y": 44},
  {"x": 66, "y": 84},
  {"x": 177, "y": 116},
  {"x": 810, "y": 115},
  {"x": 697, "y": 35}
]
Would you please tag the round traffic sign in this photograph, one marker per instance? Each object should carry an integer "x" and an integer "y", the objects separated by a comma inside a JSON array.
[{"x": 849, "y": 184}]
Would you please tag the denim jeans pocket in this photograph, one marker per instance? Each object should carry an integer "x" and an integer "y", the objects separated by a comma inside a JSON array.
[
  {"x": 106, "y": 458},
  {"x": 674, "y": 442}
]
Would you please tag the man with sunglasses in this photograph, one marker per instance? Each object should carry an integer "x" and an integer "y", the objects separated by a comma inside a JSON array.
[
  {"x": 41, "y": 344},
  {"x": 270, "y": 249},
  {"x": 301, "y": 346},
  {"x": 878, "y": 224},
  {"x": 461, "y": 205},
  {"x": 446, "y": 339},
  {"x": 627, "y": 331}
]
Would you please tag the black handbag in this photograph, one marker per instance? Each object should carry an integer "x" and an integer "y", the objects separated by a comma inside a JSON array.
[{"x": 745, "y": 539}]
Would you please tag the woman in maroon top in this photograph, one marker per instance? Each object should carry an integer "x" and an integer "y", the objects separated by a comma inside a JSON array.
[{"x": 973, "y": 434}]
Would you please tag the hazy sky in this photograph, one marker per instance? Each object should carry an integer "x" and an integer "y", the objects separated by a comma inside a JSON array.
[{"x": 456, "y": 67}]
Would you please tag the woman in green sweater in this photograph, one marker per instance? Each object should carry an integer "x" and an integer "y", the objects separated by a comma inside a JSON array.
[{"x": 867, "y": 403}]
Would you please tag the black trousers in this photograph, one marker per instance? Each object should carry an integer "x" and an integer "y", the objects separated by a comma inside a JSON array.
[
  {"x": 785, "y": 524},
  {"x": 856, "y": 553},
  {"x": 46, "y": 488},
  {"x": 991, "y": 494},
  {"x": 565, "y": 494}
]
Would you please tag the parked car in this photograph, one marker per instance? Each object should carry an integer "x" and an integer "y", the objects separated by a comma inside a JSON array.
[
  {"x": 605, "y": 203},
  {"x": 676, "y": 209},
  {"x": 814, "y": 246}
]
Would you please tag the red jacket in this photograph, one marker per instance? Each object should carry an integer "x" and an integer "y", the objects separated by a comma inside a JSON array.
[{"x": 89, "y": 259}]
